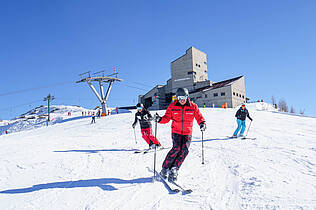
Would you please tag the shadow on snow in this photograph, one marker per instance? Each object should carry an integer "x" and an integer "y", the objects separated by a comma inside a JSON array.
[
  {"x": 99, "y": 150},
  {"x": 101, "y": 183}
]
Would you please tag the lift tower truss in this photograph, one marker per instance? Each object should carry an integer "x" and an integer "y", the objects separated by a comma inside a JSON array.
[{"x": 100, "y": 78}]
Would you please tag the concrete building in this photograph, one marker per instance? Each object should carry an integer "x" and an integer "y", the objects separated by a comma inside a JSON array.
[{"x": 190, "y": 71}]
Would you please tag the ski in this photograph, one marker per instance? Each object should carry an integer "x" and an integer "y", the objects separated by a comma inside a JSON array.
[
  {"x": 184, "y": 191},
  {"x": 167, "y": 184},
  {"x": 159, "y": 178},
  {"x": 158, "y": 149},
  {"x": 244, "y": 138},
  {"x": 144, "y": 151}
]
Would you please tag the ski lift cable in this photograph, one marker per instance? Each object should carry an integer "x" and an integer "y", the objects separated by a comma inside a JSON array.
[
  {"x": 35, "y": 88},
  {"x": 19, "y": 105}
]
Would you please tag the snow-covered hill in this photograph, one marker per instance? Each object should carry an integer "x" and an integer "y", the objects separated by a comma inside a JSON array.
[
  {"x": 76, "y": 165},
  {"x": 37, "y": 117}
]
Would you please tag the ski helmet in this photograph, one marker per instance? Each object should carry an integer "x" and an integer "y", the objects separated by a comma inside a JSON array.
[
  {"x": 139, "y": 105},
  {"x": 182, "y": 92}
]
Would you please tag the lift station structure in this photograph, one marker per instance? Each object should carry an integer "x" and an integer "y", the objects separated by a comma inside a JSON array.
[{"x": 99, "y": 77}]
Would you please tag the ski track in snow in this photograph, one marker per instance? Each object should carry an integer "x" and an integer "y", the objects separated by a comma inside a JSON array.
[{"x": 78, "y": 165}]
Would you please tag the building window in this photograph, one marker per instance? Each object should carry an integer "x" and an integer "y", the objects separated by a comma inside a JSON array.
[
  {"x": 240, "y": 95},
  {"x": 205, "y": 96},
  {"x": 191, "y": 72},
  {"x": 215, "y": 94},
  {"x": 222, "y": 94},
  {"x": 205, "y": 62},
  {"x": 234, "y": 93},
  {"x": 198, "y": 65},
  {"x": 243, "y": 96}
]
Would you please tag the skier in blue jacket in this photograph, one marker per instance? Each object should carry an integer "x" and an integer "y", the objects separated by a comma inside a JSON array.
[{"x": 241, "y": 115}]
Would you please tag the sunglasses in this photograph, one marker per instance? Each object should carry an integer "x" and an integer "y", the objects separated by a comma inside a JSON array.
[{"x": 182, "y": 98}]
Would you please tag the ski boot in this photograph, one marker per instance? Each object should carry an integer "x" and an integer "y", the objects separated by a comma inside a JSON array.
[
  {"x": 158, "y": 146},
  {"x": 152, "y": 146},
  {"x": 173, "y": 174},
  {"x": 164, "y": 173}
]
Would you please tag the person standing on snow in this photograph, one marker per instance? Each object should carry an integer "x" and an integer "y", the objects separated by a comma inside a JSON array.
[
  {"x": 241, "y": 115},
  {"x": 144, "y": 117},
  {"x": 93, "y": 118},
  {"x": 182, "y": 113}
]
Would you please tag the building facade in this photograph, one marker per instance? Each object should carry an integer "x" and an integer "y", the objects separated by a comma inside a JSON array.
[{"x": 190, "y": 71}]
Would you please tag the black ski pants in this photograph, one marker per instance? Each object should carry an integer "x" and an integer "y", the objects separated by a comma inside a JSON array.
[{"x": 178, "y": 152}]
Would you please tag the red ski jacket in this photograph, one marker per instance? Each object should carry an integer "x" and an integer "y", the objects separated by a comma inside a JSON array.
[{"x": 182, "y": 117}]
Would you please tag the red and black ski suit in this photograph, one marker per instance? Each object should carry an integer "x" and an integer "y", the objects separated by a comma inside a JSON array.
[
  {"x": 144, "y": 117},
  {"x": 182, "y": 117}
]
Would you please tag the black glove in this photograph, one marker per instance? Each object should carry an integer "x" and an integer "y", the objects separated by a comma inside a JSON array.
[
  {"x": 134, "y": 125},
  {"x": 157, "y": 118},
  {"x": 202, "y": 126}
]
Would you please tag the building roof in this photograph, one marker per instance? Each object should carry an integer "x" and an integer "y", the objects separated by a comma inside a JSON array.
[
  {"x": 217, "y": 85},
  {"x": 186, "y": 52}
]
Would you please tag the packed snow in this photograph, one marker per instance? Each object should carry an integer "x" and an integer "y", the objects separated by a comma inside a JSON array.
[{"x": 78, "y": 165}]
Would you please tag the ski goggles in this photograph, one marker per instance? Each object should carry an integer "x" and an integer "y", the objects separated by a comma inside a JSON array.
[
  {"x": 182, "y": 98},
  {"x": 139, "y": 108}
]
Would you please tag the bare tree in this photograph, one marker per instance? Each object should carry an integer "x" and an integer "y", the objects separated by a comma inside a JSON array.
[
  {"x": 273, "y": 100},
  {"x": 292, "y": 110},
  {"x": 283, "y": 106}
]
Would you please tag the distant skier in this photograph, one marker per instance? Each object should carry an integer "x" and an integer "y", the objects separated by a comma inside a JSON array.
[
  {"x": 182, "y": 113},
  {"x": 93, "y": 118},
  {"x": 144, "y": 117},
  {"x": 241, "y": 115}
]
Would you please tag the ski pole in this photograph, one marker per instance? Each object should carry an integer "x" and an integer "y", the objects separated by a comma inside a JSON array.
[
  {"x": 155, "y": 149},
  {"x": 202, "y": 149},
  {"x": 135, "y": 136},
  {"x": 248, "y": 129}
]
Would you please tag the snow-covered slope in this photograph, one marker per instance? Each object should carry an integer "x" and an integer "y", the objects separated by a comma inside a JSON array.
[
  {"x": 76, "y": 165},
  {"x": 37, "y": 117}
]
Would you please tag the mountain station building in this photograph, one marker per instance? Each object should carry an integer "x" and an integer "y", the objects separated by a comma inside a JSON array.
[{"x": 190, "y": 71}]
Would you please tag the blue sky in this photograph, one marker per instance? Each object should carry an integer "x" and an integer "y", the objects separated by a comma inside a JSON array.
[{"x": 44, "y": 45}]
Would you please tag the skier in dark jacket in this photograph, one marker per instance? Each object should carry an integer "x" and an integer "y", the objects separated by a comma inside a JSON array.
[
  {"x": 93, "y": 118},
  {"x": 182, "y": 112},
  {"x": 241, "y": 115},
  {"x": 144, "y": 117}
]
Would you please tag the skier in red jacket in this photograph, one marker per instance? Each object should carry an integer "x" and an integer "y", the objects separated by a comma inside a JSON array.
[{"x": 182, "y": 113}]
